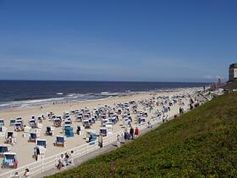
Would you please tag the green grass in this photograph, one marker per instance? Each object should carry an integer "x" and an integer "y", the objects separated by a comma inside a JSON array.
[{"x": 201, "y": 143}]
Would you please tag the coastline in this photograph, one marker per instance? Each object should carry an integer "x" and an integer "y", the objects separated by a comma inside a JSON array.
[
  {"x": 48, "y": 102},
  {"x": 22, "y": 99},
  {"x": 26, "y": 113}
]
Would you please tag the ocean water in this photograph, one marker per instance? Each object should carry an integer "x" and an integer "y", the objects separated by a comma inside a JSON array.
[{"x": 24, "y": 93}]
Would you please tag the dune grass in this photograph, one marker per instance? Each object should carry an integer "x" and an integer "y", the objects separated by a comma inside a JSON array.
[{"x": 201, "y": 143}]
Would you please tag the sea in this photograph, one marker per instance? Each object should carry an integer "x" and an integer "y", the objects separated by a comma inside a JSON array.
[{"x": 30, "y": 93}]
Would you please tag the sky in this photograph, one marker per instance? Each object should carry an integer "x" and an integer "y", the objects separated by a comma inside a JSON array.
[{"x": 117, "y": 40}]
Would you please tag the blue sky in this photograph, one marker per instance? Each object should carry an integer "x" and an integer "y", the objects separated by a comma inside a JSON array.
[{"x": 121, "y": 40}]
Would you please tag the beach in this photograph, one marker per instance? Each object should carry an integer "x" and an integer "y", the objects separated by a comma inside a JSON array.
[{"x": 24, "y": 149}]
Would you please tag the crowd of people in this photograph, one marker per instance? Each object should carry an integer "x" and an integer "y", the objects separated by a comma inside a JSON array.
[{"x": 65, "y": 160}]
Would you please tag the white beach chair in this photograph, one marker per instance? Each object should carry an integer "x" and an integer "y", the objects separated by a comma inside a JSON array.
[{"x": 3, "y": 131}]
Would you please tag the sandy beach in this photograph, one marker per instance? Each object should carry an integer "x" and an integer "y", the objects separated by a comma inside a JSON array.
[{"x": 24, "y": 149}]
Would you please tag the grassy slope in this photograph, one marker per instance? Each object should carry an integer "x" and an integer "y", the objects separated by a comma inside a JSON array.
[{"x": 200, "y": 143}]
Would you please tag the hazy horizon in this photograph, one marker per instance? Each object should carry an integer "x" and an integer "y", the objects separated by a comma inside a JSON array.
[{"x": 138, "y": 81}]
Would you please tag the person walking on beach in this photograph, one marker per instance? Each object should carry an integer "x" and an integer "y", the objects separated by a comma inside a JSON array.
[
  {"x": 70, "y": 159},
  {"x": 78, "y": 130},
  {"x": 37, "y": 153},
  {"x": 60, "y": 162},
  {"x": 181, "y": 110},
  {"x": 26, "y": 173},
  {"x": 132, "y": 133},
  {"x": 136, "y": 132},
  {"x": 100, "y": 141},
  {"x": 66, "y": 159}
]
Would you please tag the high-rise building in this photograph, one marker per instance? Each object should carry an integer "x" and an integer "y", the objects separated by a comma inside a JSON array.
[{"x": 233, "y": 72}]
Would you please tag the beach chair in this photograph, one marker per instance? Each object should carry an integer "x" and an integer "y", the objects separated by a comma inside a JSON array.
[
  {"x": 69, "y": 131},
  {"x": 103, "y": 131},
  {"x": 19, "y": 120},
  {"x": 32, "y": 137},
  {"x": 60, "y": 140},
  {"x": 27, "y": 130},
  {"x": 66, "y": 126},
  {"x": 66, "y": 115},
  {"x": 119, "y": 112},
  {"x": 49, "y": 131},
  {"x": 2, "y": 122},
  {"x": 10, "y": 137},
  {"x": 3, "y": 131},
  {"x": 109, "y": 129},
  {"x": 127, "y": 121},
  {"x": 112, "y": 120},
  {"x": 18, "y": 126},
  {"x": 3, "y": 149},
  {"x": 91, "y": 137},
  {"x": 79, "y": 118},
  {"x": 57, "y": 122},
  {"x": 9, "y": 160},
  {"x": 115, "y": 119},
  {"x": 87, "y": 115},
  {"x": 141, "y": 120},
  {"x": 41, "y": 144},
  {"x": 86, "y": 124},
  {"x": 108, "y": 124},
  {"x": 33, "y": 123},
  {"x": 104, "y": 121},
  {"x": 92, "y": 120},
  {"x": 12, "y": 122},
  {"x": 51, "y": 117},
  {"x": 103, "y": 116},
  {"x": 67, "y": 122}
]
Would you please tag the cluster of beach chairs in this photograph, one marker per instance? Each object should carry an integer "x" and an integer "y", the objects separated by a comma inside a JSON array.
[{"x": 127, "y": 116}]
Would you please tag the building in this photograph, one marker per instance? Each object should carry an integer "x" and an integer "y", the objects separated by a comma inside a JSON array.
[
  {"x": 231, "y": 85},
  {"x": 233, "y": 72}
]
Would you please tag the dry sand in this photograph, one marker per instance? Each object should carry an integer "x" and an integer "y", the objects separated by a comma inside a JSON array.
[{"x": 24, "y": 149}]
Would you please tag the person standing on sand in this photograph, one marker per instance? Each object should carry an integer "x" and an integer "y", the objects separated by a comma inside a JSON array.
[
  {"x": 181, "y": 110},
  {"x": 132, "y": 133},
  {"x": 26, "y": 173},
  {"x": 66, "y": 159},
  {"x": 100, "y": 141},
  {"x": 78, "y": 130},
  {"x": 136, "y": 132},
  {"x": 61, "y": 162},
  {"x": 35, "y": 154},
  {"x": 125, "y": 135},
  {"x": 70, "y": 159}
]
